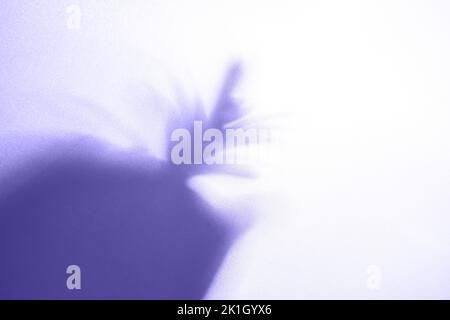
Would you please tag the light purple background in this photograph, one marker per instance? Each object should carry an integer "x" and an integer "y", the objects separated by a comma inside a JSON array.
[{"x": 363, "y": 92}]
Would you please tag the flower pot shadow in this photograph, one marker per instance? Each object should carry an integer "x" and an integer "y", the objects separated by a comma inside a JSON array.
[{"x": 132, "y": 226}]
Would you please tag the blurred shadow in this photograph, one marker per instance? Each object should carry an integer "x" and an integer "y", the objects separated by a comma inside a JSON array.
[
  {"x": 137, "y": 232},
  {"x": 134, "y": 227}
]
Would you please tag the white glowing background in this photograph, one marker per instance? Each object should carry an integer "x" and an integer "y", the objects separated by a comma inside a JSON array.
[{"x": 364, "y": 181}]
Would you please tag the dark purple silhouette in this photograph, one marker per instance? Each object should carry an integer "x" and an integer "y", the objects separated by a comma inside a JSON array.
[{"x": 129, "y": 221}]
